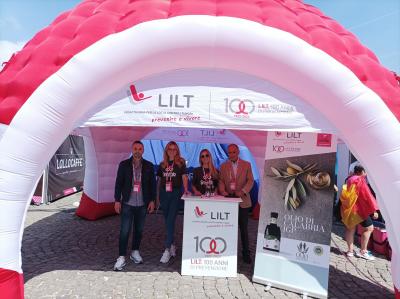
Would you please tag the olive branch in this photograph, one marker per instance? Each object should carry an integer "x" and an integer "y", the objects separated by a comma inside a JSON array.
[{"x": 295, "y": 192}]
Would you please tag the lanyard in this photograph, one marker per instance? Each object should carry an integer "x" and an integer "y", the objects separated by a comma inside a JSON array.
[{"x": 137, "y": 176}]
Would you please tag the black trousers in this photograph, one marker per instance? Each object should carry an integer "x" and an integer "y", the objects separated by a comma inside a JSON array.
[
  {"x": 131, "y": 215},
  {"x": 244, "y": 234}
]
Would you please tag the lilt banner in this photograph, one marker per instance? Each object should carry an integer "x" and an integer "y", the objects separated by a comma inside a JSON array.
[
  {"x": 294, "y": 233},
  {"x": 207, "y": 98},
  {"x": 210, "y": 236}
]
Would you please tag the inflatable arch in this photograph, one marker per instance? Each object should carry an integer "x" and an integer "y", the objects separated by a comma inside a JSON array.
[{"x": 64, "y": 73}]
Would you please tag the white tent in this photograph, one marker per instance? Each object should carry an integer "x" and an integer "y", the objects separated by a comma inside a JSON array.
[{"x": 106, "y": 52}]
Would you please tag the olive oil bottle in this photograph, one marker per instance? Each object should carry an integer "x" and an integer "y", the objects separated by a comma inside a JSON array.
[{"x": 272, "y": 234}]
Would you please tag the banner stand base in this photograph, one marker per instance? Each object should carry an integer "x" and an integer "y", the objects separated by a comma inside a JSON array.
[
  {"x": 267, "y": 287},
  {"x": 276, "y": 284}
]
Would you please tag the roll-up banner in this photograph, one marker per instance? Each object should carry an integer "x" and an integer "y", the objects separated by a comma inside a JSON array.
[
  {"x": 67, "y": 168},
  {"x": 297, "y": 194}
]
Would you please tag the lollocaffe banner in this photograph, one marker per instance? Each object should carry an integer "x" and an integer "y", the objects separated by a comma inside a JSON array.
[
  {"x": 294, "y": 233},
  {"x": 67, "y": 168}
]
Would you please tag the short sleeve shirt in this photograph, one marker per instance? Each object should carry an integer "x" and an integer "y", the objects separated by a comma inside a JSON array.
[
  {"x": 172, "y": 173},
  {"x": 202, "y": 178}
]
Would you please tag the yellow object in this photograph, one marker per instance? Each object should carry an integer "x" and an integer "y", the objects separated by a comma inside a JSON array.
[
  {"x": 348, "y": 199},
  {"x": 291, "y": 170}
]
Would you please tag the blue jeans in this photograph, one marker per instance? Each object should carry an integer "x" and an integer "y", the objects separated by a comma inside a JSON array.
[
  {"x": 130, "y": 214},
  {"x": 169, "y": 202}
]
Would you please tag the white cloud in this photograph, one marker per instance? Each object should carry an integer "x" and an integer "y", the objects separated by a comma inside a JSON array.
[{"x": 7, "y": 48}]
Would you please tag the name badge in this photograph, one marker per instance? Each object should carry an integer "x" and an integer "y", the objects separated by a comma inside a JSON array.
[
  {"x": 136, "y": 187},
  {"x": 232, "y": 186},
  {"x": 168, "y": 186}
]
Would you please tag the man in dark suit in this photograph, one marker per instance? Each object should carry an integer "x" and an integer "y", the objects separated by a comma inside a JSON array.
[
  {"x": 236, "y": 180},
  {"x": 135, "y": 187}
]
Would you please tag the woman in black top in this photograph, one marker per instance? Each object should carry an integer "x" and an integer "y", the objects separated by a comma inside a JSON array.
[
  {"x": 205, "y": 177},
  {"x": 172, "y": 176}
]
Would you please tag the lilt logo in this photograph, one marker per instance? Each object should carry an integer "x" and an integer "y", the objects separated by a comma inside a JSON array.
[
  {"x": 212, "y": 133},
  {"x": 198, "y": 212},
  {"x": 137, "y": 97},
  {"x": 288, "y": 135}
]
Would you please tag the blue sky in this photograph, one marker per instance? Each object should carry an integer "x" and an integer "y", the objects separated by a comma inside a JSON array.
[{"x": 375, "y": 22}]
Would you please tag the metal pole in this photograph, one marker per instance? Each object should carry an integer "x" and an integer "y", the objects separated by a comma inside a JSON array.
[{"x": 45, "y": 185}]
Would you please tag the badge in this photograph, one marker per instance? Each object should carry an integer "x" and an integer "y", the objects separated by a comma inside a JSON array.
[
  {"x": 168, "y": 186},
  {"x": 136, "y": 187}
]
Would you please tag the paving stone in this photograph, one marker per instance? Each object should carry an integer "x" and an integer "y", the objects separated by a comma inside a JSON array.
[{"x": 64, "y": 256}]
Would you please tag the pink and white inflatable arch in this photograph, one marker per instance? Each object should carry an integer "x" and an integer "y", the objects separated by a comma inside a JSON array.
[{"x": 86, "y": 54}]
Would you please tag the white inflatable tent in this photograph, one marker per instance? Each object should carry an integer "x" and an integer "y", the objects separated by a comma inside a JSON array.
[{"x": 92, "y": 54}]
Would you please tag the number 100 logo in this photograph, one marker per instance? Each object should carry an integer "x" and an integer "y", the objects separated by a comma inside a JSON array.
[{"x": 210, "y": 245}]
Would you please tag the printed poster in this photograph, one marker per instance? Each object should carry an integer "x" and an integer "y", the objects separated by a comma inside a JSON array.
[
  {"x": 294, "y": 233},
  {"x": 210, "y": 236},
  {"x": 67, "y": 168}
]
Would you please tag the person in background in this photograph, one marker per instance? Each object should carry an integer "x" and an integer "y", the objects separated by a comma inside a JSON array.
[
  {"x": 236, "y": 180},
  {"x": 357, "y": 204},
  {"x": 172, "y": 176},
  {"x": 351, "y": 167},
  {"x": 134, "y": 195},
  {"x": 205, "y": 177}
]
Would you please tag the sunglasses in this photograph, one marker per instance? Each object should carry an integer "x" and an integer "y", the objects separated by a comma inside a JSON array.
[
  {"x": 171, "y": 149},
  {"x": 205, "y": 156}
]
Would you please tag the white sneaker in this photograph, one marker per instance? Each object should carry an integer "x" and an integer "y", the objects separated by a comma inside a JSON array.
[
  {"x": 165, "y": 257},
  {"x": 135, "y": 257},
  {"x": 120, "y": 264},
  {"x": 172, "y": 250},
  {"x": 366, "y": 255}
]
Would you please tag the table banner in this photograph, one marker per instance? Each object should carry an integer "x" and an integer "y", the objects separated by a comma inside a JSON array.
[{"x": 210, "y": 237}]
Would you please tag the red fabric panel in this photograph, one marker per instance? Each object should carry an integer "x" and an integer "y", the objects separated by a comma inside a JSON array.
[
  {"x": 396, "y": 293},
  {"x": 11, "y": 284},
  {"x": 92, "y": 20},
  {"x": 91, "y": 210}
]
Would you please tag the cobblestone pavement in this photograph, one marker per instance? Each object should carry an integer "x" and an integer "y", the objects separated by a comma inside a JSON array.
[{"x": 67, "y": 257}]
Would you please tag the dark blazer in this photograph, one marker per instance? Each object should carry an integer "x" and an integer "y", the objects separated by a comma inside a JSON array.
[{"x": 123, "y": 182}]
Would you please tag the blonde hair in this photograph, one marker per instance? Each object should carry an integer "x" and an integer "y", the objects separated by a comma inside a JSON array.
[
  {"x": 213, "y": 169},
  {"x": 178, "y": 160}
]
